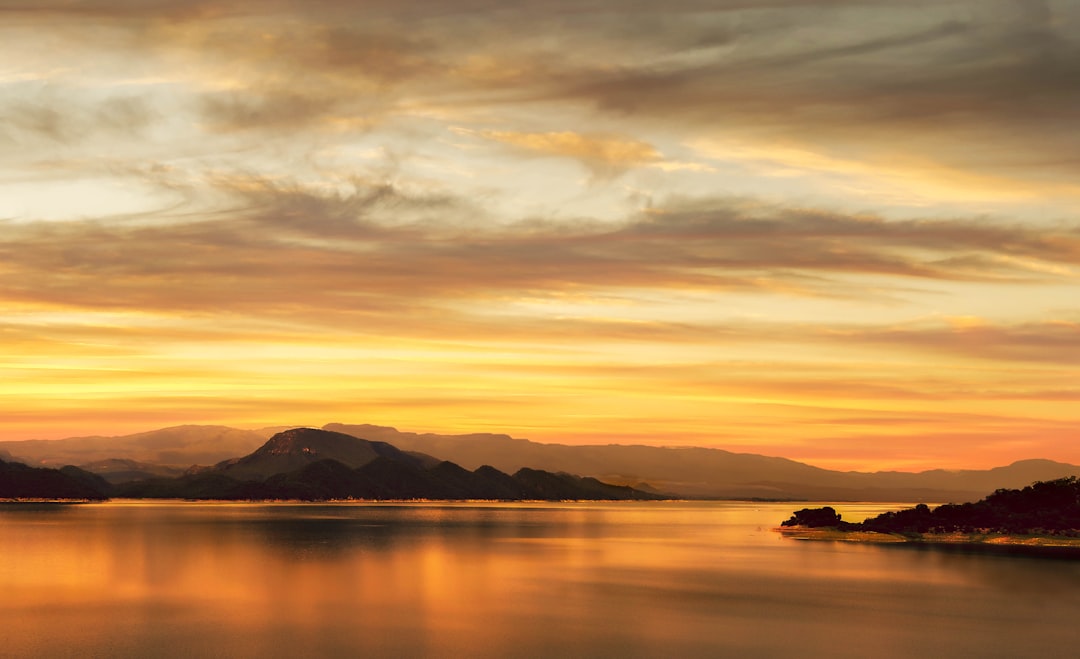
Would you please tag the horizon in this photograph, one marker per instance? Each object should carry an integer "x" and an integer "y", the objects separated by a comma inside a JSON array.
[
  {"x": 844, "y": 235},
  {"x": 277, "y": 429}
]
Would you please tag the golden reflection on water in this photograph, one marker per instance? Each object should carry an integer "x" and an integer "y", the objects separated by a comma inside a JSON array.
[{"x": 690, "y": 579}]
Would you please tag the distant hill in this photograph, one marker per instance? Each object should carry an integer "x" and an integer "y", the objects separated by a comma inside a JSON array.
[
  {"x": 120, "y": 470},
  {"x": 705, "y": 472},
  {"x": 292, "y": 449},
  {"x": 180, "y": 446},
  {"x": 18, "y": 481},
  {"x": 310, "y": 464}
]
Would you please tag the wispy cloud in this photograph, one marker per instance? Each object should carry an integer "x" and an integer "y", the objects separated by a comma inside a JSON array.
[
  {"x": 328, "y": 251},
  {"x": 1052, "y": 341},
  {"x": 319, "y": 250}
]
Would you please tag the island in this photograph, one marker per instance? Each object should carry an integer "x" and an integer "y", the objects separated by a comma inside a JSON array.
[{"x": 1042, "y": 518}]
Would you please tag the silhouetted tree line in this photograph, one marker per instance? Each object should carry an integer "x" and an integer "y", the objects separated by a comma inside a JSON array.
[{"x": 1045, "y": 507}]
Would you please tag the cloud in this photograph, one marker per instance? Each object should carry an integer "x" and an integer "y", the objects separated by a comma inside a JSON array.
[
  {"x": 378, "y": 247},
  {"x": 1048, "y": 341},
  {"x": 233, "y": 111},
  {"x": 60, "y": 115},
  {"x": 604, "y": 155},
  {"x": 981, "y": 93},
  {"x": 972, "y": 87}
]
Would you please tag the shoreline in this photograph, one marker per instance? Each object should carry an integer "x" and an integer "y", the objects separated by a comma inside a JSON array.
[{"x": 1021, "y": 544}]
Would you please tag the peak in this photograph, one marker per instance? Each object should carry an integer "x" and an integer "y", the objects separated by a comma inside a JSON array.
[
  {"x": 306, "y": 440},
  {"x": 292, "y": 449},
  {"x": 302, "y": 432}
]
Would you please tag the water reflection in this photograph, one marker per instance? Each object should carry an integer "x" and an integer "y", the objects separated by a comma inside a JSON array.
[{"x": 647, "y": 579}]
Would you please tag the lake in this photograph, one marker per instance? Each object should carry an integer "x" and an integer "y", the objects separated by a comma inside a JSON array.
[{"x": 657, "y": 579}]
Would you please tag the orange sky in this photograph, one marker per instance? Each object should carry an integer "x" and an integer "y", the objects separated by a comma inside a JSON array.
[{"x": 844, "y": 233}]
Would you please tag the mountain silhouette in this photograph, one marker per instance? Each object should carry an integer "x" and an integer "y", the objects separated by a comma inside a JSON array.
[
  {"x": 19, "y": 481},
  {"x": 292, "y": 449},
  {"x": 310, "y": 464},
  {"x": 692, "y": 472},
  {"x": 714, "y": 473}
]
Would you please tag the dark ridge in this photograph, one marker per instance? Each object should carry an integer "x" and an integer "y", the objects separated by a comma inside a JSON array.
[
  {"x": 322, "y": 480},
  {"x": 459, "y": 483},
  {"x": 385, "y": 478},
  {"x": 561, "y": 487},
  {"x": 196, "y": 486},
  {"x": 499, "y": 485},
  {"x": 90, "y": 479},
  {"x": 382, "y": 478},
  {"x": 18, "y": 481}
]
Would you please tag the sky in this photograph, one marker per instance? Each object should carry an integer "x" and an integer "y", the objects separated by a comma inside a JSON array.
[{"x": 845, "y": 233}]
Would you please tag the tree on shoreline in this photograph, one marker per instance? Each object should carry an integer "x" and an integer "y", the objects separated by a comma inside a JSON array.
[{"x": 1044, "y": 507}]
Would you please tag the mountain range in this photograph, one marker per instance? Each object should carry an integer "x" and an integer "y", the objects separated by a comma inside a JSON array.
[
  {"x": 311, "y": 464},
  {"x": 685, "y": 472},
  {"x": 179, "y": 446},
  {"x": 716, "y": 473}
]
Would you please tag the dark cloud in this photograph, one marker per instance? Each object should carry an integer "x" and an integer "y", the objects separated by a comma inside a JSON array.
[
  {"x": 309, "y": 51},
  {"x": 238, "y": 111},
  {"x": 386, "y": 57},
  {"x": 60, "y": 115},
  {"x": 979, "y": 91},
  {"x": 739, "y": 235}
]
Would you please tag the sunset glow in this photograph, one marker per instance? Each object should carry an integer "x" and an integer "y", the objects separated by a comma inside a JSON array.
[{"x": 842, "y": 233}]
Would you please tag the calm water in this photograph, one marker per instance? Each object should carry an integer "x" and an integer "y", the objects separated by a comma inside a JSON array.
[{"x": 504, "y": 580}]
